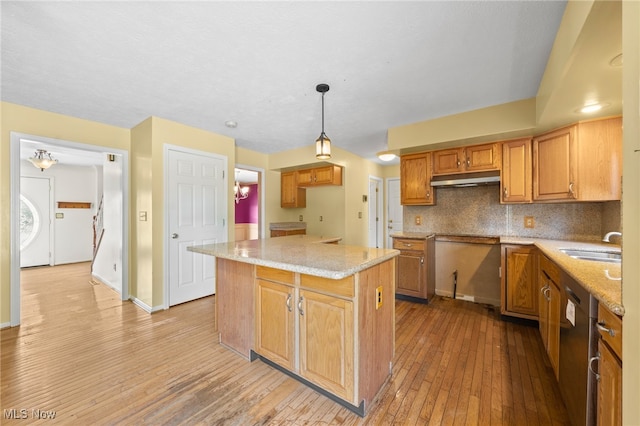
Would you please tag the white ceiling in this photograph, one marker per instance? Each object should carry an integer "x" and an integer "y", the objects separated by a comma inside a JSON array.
[{"x": 258, "y": 63}]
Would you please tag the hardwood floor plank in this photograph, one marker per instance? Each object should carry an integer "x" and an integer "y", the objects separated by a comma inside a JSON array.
[{"x": 94, "y": 359}]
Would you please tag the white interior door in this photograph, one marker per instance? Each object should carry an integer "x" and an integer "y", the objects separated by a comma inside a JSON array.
[
  {"x": 197, "y": 215},
  {"x": 35, "y": 221},
  {"x": 394, "y": 209}
]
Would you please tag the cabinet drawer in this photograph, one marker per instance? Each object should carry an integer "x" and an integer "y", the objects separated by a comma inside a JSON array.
[
  {"x": 343, "y": 287},
  {"x": 273, "y": 274},
  {"x": 550, "y": 268},
  {"x": 610, "y": 327},
  {"x": 408, "y": 244}
]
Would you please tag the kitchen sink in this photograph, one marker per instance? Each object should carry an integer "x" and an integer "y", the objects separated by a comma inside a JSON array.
[{"x": 600, "y": 256}]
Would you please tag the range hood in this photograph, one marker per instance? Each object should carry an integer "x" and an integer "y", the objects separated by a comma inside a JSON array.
[{"x": 466, "y": 179}]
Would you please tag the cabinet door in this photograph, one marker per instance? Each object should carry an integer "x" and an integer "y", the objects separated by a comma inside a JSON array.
[
  {"x": 554, "y": 165},
  {"x": 609, "y": 387},
  {"x": 305, "y": 177},
  {"x": 330, "y": 175},
  {"x": 415, "y": 180},
  {"x": 275, "y": 323},
  {"x": 448, "y": 161},
  {"x": 410, "y": 279},
  {"x": 327, "y": 342},
  {"x": 515, "y": 184},
  {"x": 290, "y": 194},
  {"x": 481, "y": 158},
  {"x": 553, "y": 345},
  {"x": 522, "y": 282}
]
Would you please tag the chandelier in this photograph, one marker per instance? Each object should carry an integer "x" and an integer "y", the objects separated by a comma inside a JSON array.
[
  {"x": 42, "y": 159},
  {"x": 240, "y": 192}
]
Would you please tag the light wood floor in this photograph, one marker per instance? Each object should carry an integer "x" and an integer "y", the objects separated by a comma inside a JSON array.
[{"x": 93, "y": 359}]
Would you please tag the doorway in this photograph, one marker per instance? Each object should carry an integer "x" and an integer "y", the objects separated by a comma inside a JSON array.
[
  {"x": 247, "y": 197},
  {"x": 394, "y": 209},
  {"x": 67, "y": 152},
  {"x": 376, "y": 234},
  {"x": 35, "y": 221}
]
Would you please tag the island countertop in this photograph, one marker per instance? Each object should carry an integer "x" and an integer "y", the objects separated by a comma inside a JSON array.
[{"x": 306, "y": 254}]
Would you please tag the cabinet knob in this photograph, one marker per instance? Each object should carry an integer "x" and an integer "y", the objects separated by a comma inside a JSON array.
[
  {"x": 468, "y": 162},
  {"x": 174, "y": 235},
  {"x": 300, "y": 306},
  {"x": 506, "y": 192},
  {"x": 289, "y": 302},
  {"x": 571, "y": 190}
]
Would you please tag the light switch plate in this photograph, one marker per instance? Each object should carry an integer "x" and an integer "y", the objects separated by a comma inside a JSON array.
[{"x": 529, "y": 222}]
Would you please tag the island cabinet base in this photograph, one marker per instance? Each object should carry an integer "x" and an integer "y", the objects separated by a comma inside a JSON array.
[{"x": 335, "y": 335}]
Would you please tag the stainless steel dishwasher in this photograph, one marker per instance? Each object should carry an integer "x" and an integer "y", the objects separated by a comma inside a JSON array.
[{"x": 578, "y": 343}]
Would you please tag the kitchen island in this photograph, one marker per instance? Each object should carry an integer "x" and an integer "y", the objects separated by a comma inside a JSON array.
[{"x": 322, "y": 313}]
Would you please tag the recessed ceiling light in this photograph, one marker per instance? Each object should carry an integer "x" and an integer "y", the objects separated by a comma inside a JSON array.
[
  {"x": 616, "y": 61},
  {"x": 231, "y": 124},
  {"x": 591, "y": 107}
]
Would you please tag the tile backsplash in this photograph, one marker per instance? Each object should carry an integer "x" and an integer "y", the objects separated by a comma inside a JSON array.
[{"x": 477, "y": 211}]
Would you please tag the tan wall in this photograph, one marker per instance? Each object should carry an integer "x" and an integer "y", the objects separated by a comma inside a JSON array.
[
  {"x": 631, "y": 212},
  {"x": 21, "y": 119}
]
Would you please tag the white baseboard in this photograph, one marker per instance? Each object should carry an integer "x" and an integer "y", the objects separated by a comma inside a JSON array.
[
  {"x": 105, "y": 282},
  {"x": 5, "y": 325},
  {"x": 468, "y": 298},
  {"x": 146, "y": 307}
]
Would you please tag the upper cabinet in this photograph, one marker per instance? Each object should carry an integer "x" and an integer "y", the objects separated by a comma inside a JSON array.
[
  {"x": 477, "y": 158},
  {"x": 291, "y": 195},
  {"x": 515, "y": 180},
  {"x": 581, "y": 162},
  {"x": 415, "y": 180},
  {"x": 325, "y": 175}
]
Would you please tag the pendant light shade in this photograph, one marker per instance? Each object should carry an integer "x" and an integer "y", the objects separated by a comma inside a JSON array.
[{"x": 323, "y": 143}]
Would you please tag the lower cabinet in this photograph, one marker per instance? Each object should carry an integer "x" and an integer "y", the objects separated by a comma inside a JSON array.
[
  {"x": 549, "y": 310},
  {"x": 519, "y": 281},
  {"x": 416, "y": 267},
  {"x": 334, "y": 333},
  {"x": 609, "y": 411}
]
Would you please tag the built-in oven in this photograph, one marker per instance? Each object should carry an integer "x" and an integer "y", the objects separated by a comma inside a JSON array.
[{"x": 578, "y": 343}]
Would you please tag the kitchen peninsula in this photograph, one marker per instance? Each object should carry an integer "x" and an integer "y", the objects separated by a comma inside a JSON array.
[{"x": 322, "y": 313}]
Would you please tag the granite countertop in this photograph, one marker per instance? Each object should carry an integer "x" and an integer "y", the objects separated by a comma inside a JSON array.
[
  {"x": 301, "y": 253},
  {"x": 413, "y": 235},
  {"x": 287, "y": 225},
  {"x": 602, "y": 279}
]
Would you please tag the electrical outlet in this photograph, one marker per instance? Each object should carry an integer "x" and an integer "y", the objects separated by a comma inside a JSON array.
[
  {"x": 378, "y": 297},
  {"x": 320, "y": 218},
  {"x": 359, "y": 215},
  {"x": 418, "y": 220},
  {"x": 529, "y": 222},
  {"x": 300, "y": 218}
]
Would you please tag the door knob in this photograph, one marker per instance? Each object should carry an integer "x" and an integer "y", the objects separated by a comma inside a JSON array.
[{"x": 174, "y": 235}]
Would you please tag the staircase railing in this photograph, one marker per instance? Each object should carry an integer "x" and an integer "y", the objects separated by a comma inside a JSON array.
[{"x": 98, "y": 230}]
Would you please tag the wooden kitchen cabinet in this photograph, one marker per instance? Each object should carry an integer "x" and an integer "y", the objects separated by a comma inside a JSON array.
[
  {"x": 416, "y": 268},
  {"x": 609, "y": 387},
  {"x": 330, "y": 332},
  {"x": 581, "y": 162},
  {"x": 291, "y": 195},
  {"x": 549, "y": 310},
  {"x": 326, "y": 342},
  {"x": 285, "y": 232},
  {"x": 415, "y": 180},
  {"x": 520, "y": 281},
  {"x": 474, "y": 158},
  {"x": 516, "y": 176},
  {"x": 275, "y": 322},
  {"x": 319, "y": 176}
]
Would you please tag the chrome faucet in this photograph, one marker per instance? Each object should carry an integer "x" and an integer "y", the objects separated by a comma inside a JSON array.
[{"x": 609, "y": 235}]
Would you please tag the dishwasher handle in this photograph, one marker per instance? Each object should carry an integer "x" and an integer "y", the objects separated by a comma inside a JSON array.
[{"x": 572, "y": 294}]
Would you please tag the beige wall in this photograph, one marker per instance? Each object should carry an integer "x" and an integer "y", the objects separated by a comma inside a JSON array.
[{"x": 21, "y": 119}]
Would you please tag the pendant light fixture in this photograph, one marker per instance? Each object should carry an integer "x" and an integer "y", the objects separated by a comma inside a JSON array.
[
  {"x": 42, "y": 159},
  {"x": 323, "y": 143}
]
